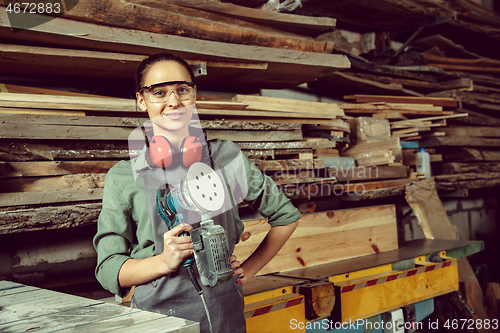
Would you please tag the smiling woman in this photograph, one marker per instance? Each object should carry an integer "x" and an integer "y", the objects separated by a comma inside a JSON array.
[{"x": 135, "y": 243}]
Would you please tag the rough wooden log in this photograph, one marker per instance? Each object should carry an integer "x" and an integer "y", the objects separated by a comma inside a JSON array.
[{"x": 46, "y": 218}]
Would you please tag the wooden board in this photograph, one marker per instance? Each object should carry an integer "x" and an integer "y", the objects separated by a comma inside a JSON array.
[
  {"x": 290, "y": 164},
  {"x": 50, "y": 197},
  {"x": 39, "y": 184},
  {"x": 348, "y": 233},
  {"x": 35, "y": 169},
  {"x": 299, "y": 24},
  {"x": 61, "y": 132},
  {"x": 465, "y": 154},
  {"x": 28, "y": 308},
  {"x": 368, "y": 173},
  {"x": 459, "y": 141},
  {"x": 448, "y": 102},
  {"x": 258, "y": 136},
  {"x": 474, "y": 131},
  {"x": 452, "y": 168},
  {"x": 47, "y": 218}
]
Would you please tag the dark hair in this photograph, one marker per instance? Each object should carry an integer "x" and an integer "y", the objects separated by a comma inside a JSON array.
[{"x": 151, "y": 60}]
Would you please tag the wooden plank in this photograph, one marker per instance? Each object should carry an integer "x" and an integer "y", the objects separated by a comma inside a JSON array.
[
  {"x": 61, "y": 132},
  {"x": 64, "y": 32},
  {"x": 281, "y": 107},
  {"x": 467, "y": 184},
  {"x": 360, "y": 148},
  {"x": 48, "y": 218},
  {"x": 71, "y": 120},
  {"x": 227, "y": 124},
  {"x": 448, "y": 141},
  {"x": 390, "y": 106},
  {"x": 410, "y": 122},
  {"x": 39, "y": 184},
  {"x": 465, "y": 154},
  {"x": 17, "y": 89},
  {"x": 299, "y": 24},
  {"x": 72, "y": 318},
  {"x": 285, "y": 101},
  {"x": 286, "y": 145},
  {"x": 259, "y": 136},
  {"x": 49, "y": 197},
  {"x": 291, "y": 164},
  {"x": 428, "y": 208},
  {"x": 452, "y": 168},
  {"x": 20, "y": 306},
  {"x": 480, "y": 131},
  {"x": 450, "y": 102},
  {"x": 24, "y": 150},
  {"x": 363, "y": 173},
  {"x": 463, "y": 83},
  {"x": 36, "y": 169},
  {"x": 368, "y": 230}
]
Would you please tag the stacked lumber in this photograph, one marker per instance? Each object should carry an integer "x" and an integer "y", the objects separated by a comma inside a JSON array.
[
  {"x": 483, "y": 95},
  {"x": 233, "y": 49},
  {"x": 55, "y": 150}
]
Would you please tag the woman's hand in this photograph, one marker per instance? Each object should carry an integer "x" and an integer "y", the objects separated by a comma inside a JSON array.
[
  {"x": 176, "y": 249},
  {"x": 238, "y": 270}
]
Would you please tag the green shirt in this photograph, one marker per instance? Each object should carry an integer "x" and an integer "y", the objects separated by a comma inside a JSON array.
[{"x": 124, "y": 229}]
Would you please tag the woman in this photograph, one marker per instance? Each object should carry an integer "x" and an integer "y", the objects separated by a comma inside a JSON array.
[{"x": 134, "y": 245}]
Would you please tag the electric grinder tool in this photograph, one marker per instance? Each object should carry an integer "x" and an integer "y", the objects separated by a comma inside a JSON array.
[{"x": 200, "y": 190}]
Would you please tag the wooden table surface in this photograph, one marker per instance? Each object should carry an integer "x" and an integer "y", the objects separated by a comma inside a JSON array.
[{"x": 30, "y": 309}]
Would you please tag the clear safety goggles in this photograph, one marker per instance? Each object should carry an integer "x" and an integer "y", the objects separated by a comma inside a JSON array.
[{"x": 161, "y": 92}]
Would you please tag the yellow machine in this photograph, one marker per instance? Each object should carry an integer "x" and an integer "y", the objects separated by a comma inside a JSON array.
[{"x": 351, "y": 293}]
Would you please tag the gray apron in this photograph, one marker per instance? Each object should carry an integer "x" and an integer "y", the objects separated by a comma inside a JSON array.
[{"x": 174, "y": 294}]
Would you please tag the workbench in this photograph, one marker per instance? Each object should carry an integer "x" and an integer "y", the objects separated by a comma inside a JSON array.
[{"x": 25, "y": 308}]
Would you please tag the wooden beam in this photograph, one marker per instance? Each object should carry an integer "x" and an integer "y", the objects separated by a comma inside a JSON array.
[
  {"x": 290, "y": 164},
  {"x": 363, "y": 173},
  {"x": 450, "y": 102},
  {"x": 49, "y": 197},
  {"x": 285, "y": 145},
  {"x": 57, "y": 183},
  {"x": 299, "y": 24},
  {"x": 48, "y": 218},
  {"x": 36, "y": 169},
  {"x": 61, "y": 132},
  {"x": 368, "y": 230},
  {"x": 452, "y": 168},
  {"x": 449, "y": 141},
  {"x": 255, "y": 136}
]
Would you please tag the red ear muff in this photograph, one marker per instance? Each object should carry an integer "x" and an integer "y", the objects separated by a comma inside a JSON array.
[
  {"x": 191, "y": 151},
  {"x": 160, "y": 151}
]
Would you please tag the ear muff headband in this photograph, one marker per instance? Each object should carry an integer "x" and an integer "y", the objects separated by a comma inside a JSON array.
[{"x": 161, "y": 151}]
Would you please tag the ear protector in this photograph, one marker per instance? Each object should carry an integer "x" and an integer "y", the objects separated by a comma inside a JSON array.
[{"x": 161, "y": 151}]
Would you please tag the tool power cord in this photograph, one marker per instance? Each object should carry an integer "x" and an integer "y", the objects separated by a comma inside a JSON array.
[{"x": 198, "y": 288}]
